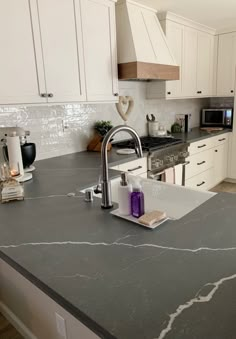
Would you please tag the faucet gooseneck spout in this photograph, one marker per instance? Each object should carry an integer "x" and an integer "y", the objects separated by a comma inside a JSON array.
[{"x": 105, "y": 184}]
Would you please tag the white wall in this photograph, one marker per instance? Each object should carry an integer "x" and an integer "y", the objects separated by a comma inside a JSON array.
[{"x": 45, "y": 122}]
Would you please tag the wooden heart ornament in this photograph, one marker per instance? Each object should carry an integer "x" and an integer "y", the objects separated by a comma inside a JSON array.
[{"x": 125, "y": 106}]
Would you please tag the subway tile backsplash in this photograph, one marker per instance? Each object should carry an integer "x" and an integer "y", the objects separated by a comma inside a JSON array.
[{"x": 67, "y": 128}]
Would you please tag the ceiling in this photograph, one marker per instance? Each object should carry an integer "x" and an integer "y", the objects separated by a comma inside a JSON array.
[{"x": 218, "y": 14}]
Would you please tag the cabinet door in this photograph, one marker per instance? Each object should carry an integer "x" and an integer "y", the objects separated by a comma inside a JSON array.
[
  {"x": 205, "y": 64},
  {"x": 189, "y": 73},
  {"x": 99, "y": 32},
  {"x": 174, "y": 34},
  {"x": 21, "y": 70},
  {"x": 220, "y": 163},
  {"x": 226, "y": 64},
  {"x": 60, "y": 23}
]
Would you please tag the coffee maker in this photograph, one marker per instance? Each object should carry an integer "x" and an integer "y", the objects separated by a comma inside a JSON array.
[{"x": 27, "y": 149}]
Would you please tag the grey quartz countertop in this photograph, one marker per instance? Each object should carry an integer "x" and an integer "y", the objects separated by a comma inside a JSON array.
[
  {"x": 121, "y": 280},
  {"x": 197, "y": 134}
]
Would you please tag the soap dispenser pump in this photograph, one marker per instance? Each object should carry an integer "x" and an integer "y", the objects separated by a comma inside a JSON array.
[{"x": 124, "y": 192}]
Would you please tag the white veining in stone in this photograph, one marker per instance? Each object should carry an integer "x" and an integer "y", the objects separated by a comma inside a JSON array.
[
  {"x": 69, "y": 195},
  {"x": 87, "y": 243},
  {"x": 198, "y": 299},
  {"x": 77, "y": 275}
]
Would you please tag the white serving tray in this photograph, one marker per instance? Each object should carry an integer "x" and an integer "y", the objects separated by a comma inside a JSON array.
[{"x": 135, "y": 220}]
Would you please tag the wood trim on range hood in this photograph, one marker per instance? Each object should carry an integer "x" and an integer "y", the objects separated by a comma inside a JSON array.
[{"x": 147, "y": 71}]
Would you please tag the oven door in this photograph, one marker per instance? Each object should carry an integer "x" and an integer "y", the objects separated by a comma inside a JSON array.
[
  {"x": 179, "y": 172},
  {"x": 213, "y": 118}
]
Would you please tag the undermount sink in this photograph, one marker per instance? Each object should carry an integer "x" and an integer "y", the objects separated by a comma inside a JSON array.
[{"x": 176, "y": 201}]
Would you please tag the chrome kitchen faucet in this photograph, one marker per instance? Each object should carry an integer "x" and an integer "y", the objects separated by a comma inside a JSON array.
[{"x": 106, "y": 184}]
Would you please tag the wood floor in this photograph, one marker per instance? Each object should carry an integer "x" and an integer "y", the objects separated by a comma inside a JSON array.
[
  {"x": 7, "y": 331},
  {"x": 225, "y": 187}
]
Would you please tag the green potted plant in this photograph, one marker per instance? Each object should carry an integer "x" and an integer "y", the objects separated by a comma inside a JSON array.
[{"x": 101, "y": 128}]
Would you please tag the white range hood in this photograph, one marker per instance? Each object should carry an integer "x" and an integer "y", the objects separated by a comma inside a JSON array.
[{"x": 143, "y": 51}]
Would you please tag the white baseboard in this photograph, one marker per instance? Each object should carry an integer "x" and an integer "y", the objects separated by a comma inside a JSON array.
[
  {"x": 16, "y": 322},
  {"x": 232, "y": 181}
]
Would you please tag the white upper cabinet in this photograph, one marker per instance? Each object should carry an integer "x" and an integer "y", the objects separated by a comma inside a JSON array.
[
  {"x": 189, "y": 66},
  {"x": 99, "y": 36},
  {"x": 21, "y": 70},
  {"x": 193, "y": 48},
  {"x": 174, "y": 34},
  {"x": 60, "y": 24},
  {"x": 43, "y": 47},
  {"x": 205, "y": 64},
  {"x": 226, "y": 64}
]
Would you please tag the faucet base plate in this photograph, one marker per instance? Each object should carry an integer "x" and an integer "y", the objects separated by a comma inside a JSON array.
[{"x": 106, "y": 207}]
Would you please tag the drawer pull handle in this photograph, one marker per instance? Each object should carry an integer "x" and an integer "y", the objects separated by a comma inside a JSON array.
[
  {"x": 186, "y": 163},
  {"x": 202, "y": 183},
  {"x": 222, "y": 139},
  {"x": 202, "y": 146},
  {"x": 201, "y": 163},
  {"x": 135, "y": 169}
]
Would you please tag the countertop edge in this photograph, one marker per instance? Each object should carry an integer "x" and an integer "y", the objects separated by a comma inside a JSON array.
[
  {"x": 75, "y": 312},
  {"x": 187, "y": 136}
]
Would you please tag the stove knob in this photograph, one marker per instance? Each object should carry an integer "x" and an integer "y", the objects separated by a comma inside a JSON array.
[
  {"x": 184, "y": 154},
  {"x": 157, "y": 164},
  {"x": 169, "y": 158}
]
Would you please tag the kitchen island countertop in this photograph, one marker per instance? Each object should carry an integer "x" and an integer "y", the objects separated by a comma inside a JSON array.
[{"x": 120, "y": 280}]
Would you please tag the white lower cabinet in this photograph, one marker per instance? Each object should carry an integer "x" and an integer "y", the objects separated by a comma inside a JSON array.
[
  {"x": 199, "y": 163},
  {"x": 137, "y": 167},
  {"x": 208, "y": 162},
  {"x": 220, "y": 162},
  {"x": 202, "y": 181}
]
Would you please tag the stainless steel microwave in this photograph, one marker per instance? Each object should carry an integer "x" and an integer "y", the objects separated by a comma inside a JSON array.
[{"x": 217, "y": 117}]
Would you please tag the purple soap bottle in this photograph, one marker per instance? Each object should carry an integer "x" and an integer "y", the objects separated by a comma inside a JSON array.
[{"x": 137, "y": 201}]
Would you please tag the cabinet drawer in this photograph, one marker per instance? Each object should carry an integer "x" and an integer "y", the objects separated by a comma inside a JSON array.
[
  {"x": 199, "y": 163},
  {"x": 220, "y": 139},
  {"x": 200, "y": 146},
  {"x": 202, "y": 181},
  {"x": 136, "y": 167}
]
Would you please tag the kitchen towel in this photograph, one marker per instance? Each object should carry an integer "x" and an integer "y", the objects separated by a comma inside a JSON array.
[
  {"x": 169, "y": 176},
  {"x": 178, "y": 174}
]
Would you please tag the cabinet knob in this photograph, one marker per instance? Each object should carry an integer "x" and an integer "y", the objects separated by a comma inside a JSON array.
[
  {"x": 116, "y": 94},
  {"x": 50, "y": 95},
  {"x": 216, "y": 151},
  {"x": 232, "y": 91},
  {"x": 168, "y": 93},
  {"x": 43, "y": 95}
]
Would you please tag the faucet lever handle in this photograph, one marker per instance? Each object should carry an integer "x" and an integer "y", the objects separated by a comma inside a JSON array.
[{"x": 98, "y": 189}]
